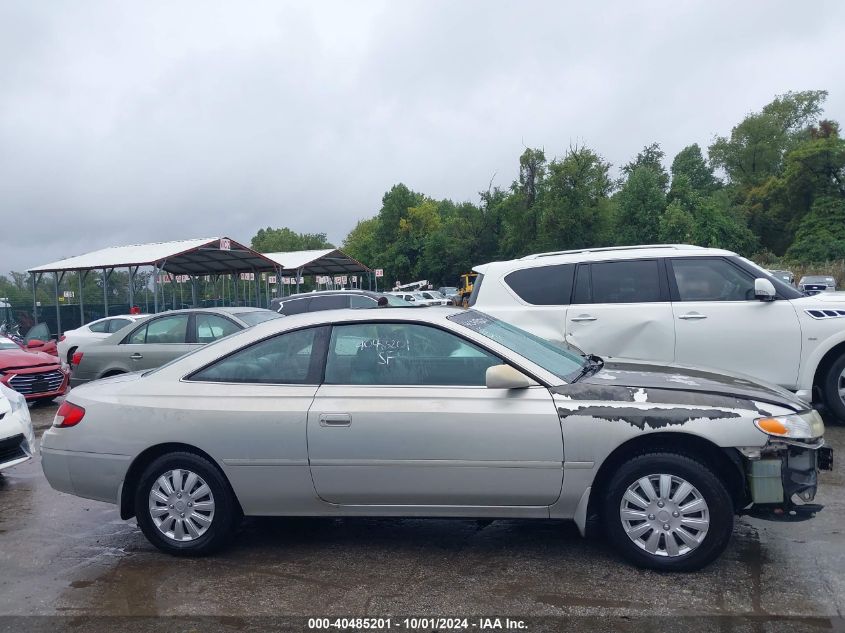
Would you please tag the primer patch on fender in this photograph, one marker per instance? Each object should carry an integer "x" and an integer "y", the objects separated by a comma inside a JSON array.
[{"x": 653, "y": 418}]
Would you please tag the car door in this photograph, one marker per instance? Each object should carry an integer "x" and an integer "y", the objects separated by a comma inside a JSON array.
[
  {"x": 719, "y": 323},
  {"x": 621, "y": 308},
  {"x": 157, "y": 341},
  {"x": 403, "y": 418}
]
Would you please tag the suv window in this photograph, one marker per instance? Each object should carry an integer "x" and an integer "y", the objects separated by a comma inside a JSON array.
[
  {"x": 634, "y": 281},
  {"x": 543, "y": 285},
  {"x": 100, "y": 326},
  {"x": 286, "y": 359},
  {"x": 711, "y": 279},
  {"x": 362, "y": 301},
  {"x": 329, "y": 302},
  {"x": 295, "y": 306},
  {"x": 118, "y": 324},
  {"x": 211, "y": 327},
  {"x": 170, "y": 329},
  {"x": 403, "y": 354}
]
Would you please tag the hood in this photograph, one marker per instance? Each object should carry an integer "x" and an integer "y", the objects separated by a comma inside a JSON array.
[
  {"x": 825, "y": 298},
  {"x": 20, "y": 359},
  {"x": 640, "y": 381}
]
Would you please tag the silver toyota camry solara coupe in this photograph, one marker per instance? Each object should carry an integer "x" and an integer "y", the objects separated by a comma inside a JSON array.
[{"x": 438, "y": 412}]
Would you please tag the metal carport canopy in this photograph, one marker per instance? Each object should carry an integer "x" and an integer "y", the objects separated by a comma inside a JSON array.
[
  {"x": 203, "y": 256},
  {"x": 317, "y": 262}
]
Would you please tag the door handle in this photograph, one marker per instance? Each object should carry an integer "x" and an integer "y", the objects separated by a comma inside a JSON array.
[
  {"x": 136, "y": 356},
  {"x": 335, "y": 419},
  {"x": 584, "y": 317},
  {"x": 692, "y": 316}
]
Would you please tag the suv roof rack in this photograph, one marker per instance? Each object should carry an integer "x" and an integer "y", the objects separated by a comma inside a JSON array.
[{"x": 615, "y": 248}]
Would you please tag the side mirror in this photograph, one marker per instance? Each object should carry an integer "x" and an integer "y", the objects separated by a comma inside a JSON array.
[
  {"x": 506, "y": 377},
  {"x": 34, "y": 343},
  {"x": 764, "y": 290}
]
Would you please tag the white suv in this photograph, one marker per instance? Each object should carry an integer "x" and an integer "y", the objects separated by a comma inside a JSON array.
[{"x": 676, "y": 304}]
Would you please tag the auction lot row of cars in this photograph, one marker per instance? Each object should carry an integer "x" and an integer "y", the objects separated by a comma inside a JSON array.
[{"x": 571, "y": 388}]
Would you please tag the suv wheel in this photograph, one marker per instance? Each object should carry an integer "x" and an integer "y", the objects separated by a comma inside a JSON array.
[
  {"x": 668, "y": 512},
  {"x": 184, "y": 506},
  {"x": 834, "y": 389}
]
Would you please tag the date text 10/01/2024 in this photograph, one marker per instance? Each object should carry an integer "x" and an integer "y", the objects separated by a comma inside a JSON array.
[{"x": 412, "y": 624}]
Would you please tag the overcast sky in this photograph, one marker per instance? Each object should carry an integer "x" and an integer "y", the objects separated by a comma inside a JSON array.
[{"x": 128, "y": 122}]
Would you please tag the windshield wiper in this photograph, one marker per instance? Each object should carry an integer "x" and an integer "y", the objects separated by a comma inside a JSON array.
[{"x": 592, "y": 366}]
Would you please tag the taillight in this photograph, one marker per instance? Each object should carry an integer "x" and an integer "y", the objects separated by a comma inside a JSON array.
[
  {"x": 76, "y": 358},
  {"x": 69, "y": 414}
]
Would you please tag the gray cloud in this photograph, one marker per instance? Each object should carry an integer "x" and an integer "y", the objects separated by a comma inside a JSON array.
[{"x": 123, "y": 123}]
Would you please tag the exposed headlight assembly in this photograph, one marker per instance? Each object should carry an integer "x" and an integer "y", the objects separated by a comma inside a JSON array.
[{"x": 805, "y": 425}]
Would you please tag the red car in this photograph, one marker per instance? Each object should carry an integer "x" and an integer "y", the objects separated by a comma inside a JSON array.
[{"x": 35, "y": 375}]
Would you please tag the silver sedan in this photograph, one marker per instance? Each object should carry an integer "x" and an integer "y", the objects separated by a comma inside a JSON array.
[{"x": 441, "y": 412}]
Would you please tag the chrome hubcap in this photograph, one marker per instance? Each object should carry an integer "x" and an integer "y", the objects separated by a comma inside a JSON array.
[
  {"x": 664, "y": 515},
  {"x": 181, "y": 505}
]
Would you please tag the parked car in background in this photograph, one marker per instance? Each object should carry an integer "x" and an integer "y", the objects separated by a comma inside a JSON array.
[
  {"x": 332, "y": 300},
  {"x": 784, "y": 275},
  {"x": 451, "y": 293},
  {"x": 435, "y": 298},
  {"x": 676, "y": 304},
  {"x": 73, "y": 340},
  {"x": 35, "y": 375},
  {"x": 158, "y": 339},
  {"x": 814, "y": 284},
  {"x": 438, "y": 412},
  {"x": 17, "y": 439},
  {"x": 419, "y": 299}
]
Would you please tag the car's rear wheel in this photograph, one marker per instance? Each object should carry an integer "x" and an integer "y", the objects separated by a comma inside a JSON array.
[
  {"x": 668, "y": 512},
  {"x": 70, "y": 354},
  {"x": 184, "y": 505},
  {"x": 834, "y": 389}
]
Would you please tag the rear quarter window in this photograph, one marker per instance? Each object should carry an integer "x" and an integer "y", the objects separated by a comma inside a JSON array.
[{"x": 542, "y": 285}]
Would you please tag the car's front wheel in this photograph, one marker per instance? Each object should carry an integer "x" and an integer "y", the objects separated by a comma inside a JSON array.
[
  {"x": 668, "y": 512},
  {"x": 834, "y": 389},
  {"x": 184, "y": 505}
]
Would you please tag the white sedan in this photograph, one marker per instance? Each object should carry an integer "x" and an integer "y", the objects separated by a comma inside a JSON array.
[
  {"x": 17, "y": 440},
  {"x": 73, "y": 340}
]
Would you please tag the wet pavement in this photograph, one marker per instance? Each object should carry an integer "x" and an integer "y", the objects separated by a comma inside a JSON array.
[{"x": 65, "y": 556}]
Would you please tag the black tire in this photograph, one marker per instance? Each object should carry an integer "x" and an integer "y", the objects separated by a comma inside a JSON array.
[
  {"x": 70, "y": 354},
  {"x": 719, "y": 503},
  {"x": 830, "y": 390},
  {"x": 224, "y": 522}
]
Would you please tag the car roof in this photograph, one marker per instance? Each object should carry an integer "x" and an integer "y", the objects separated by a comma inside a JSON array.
[
  {"x": 324, "y": 293},
  {"x": 644, "y": 251}
]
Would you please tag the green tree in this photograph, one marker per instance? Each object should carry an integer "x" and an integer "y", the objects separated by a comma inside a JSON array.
[
  {"x": 284, "y": 240},
  {"x": 651, "y": 157},
  {"x": 821, "y": 234},
  {"x": 639, "y": 207},
  {"x": 677, "y": 225},
  {"x": 362, "y": 244},
  {"x": 690, "y": 163}
]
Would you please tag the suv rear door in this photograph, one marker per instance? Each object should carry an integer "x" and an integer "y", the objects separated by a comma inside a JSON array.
[
  {"x": 719, "y": 323},
  {"x": 621, "y": 308}
]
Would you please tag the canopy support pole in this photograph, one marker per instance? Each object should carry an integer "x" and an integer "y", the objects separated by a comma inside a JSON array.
[
  {"x": 57, "y": 280},
  {"x": 193, "y": 291},
  {"x": 298, "y": 275},
  {"x": 132, "y": 272}
]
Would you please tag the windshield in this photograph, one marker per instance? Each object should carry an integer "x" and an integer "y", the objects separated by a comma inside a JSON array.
[
  {"x": 563, "y": 361},
  {"x": 259, "y": 316}
]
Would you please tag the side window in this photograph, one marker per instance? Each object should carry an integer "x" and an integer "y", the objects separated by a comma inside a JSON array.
[
  {"x": 295, "y": 306},
  {"x": 543, "y": 285},
  {"x": 286, "y": 359},
  {"x": 711, "y": 279},
  {"x": 582, "y": 285},
  {"x": 361, "y": 301},
  {"x": 329, "y": 302},
  {"x": 634, "y": 281},
  {"x": 211, "y": 327},
  {"x": 118, "y": 324},
  {"x": 172, "y": 329},
  {"x": 403, "y": 354},
  {"x": 100, "y": 327}
]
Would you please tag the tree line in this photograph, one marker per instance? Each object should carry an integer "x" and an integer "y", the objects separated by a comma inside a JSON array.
[{"x": 774, "y": 189}]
